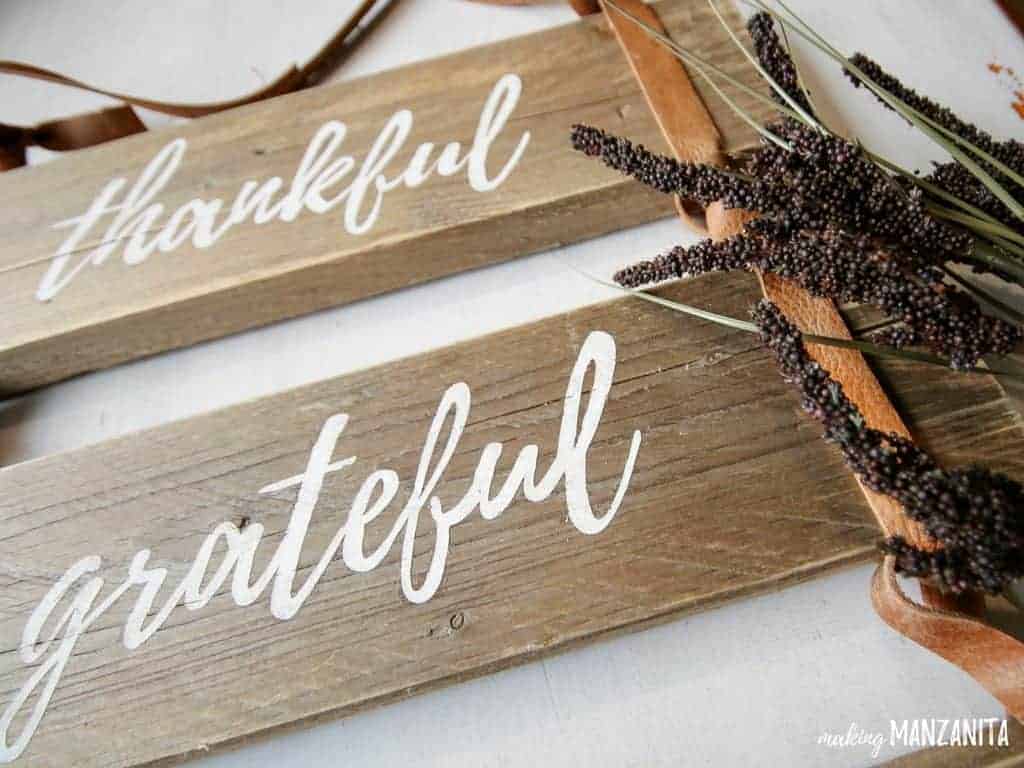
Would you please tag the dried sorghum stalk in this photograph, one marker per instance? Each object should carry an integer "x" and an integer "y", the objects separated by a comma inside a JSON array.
[
  {"x": 827, "y": 216},
  {"x": 823, "y": 180},
  {"x": 701, "y": 183},
  {"x": 829, "y": 263},
  {"x": 830, "y": 219},
  {"x": 976, "y": 515},
  {"x": 775, "y": 60},
  {"x": 1010, "y": 153},
  {"x": 952, "y": 176}
]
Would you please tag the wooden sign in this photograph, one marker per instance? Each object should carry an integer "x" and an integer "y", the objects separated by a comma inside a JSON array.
[
  {"x": 326, "y": 196},
  {"x": 365, "y": 538}
]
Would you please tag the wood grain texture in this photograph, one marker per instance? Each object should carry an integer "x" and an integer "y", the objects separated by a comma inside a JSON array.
[
  {"x": 258, "y": 274},
  {"x": 733, "y": 493},
  {"x": 821, "y": 317}
]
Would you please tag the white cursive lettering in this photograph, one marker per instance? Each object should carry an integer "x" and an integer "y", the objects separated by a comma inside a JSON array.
[
  {"x": 80, "y": 587},
  {"x": 316, "y": 187}
]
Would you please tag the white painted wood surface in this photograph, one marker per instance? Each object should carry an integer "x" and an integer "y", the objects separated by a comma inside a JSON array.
[{"x": 753, "y": 683}]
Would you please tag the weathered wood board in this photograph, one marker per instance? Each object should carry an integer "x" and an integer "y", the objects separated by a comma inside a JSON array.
[
  {"x": 731, "y": 492},
  {"x": 182, "y": 260}
]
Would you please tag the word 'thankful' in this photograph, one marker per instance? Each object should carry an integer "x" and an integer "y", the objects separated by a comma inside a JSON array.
[{"x": 322, "y": 182}]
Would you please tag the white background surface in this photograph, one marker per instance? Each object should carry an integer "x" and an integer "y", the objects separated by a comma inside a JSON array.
[{"x": 753, "y": 683}]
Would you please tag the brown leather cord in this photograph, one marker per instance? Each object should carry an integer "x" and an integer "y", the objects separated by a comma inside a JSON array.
[
  {"x": 94, "y": 128},
  {"x": 69, "y": 133},
  {"x": 117, "y": 122},
  {"x": 1014, "y": 10},
  {"x": 993, "y": 658}
]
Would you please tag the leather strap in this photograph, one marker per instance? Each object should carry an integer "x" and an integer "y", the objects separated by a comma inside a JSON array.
[
  {"x": 993, "y": 658},
  {"x": 70, "y": 133},
  {"x": 94, "y": 128},
  {"x": 117, "y": 122}
]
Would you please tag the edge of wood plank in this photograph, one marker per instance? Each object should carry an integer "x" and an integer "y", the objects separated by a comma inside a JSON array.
[{"x": 85, "y": 339}]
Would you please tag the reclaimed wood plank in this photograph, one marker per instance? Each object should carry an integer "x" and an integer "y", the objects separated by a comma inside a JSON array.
[
  {"x": 732, "y": 493},
  {"x": 300, "y": 261}
]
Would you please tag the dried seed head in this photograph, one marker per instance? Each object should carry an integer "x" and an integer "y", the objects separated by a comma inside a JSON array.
[
  {"x": 1009, "y": 152},
  {"x": 693, "y": 182},
  {"x": 824, "y": 182},
  {"x": 847, "y": 269},
  {"x": 851, "y": 192},
  {"x": 952, "y": 176},
  {"x": 776, "y": 59},
  {"x": 961, "y": 183},
  {"x": 977, "y": 515},
  {"x": 830, "y": 220}
]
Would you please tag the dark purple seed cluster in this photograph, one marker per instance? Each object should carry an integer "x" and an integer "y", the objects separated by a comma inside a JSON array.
[
  {"x": 1011, "y": 152},
  {"x": 831, "y": 177},
  {"x": 976, "y": 515},
  {"x": 702, "y": 183},
  {"x": 850, "y": 191},
  {"x": 775, "y": 59},
  {"x": 848, "y": 269},
  {"x": 959, "y": 182},
  {"x": 706, "y": 256},
  {"x": 898, "y": 336},
  {"x": 952, "y": 176},
  {"x": 827, "y": 217},
  {"x": 824, "y": 181}
]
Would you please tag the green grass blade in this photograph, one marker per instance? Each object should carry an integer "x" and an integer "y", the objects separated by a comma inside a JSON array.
[
  {"x": 934, "y": 189},
  {"x": 993, "y": 258},
  {"x": 996, "y": 230},
  {"x": 703, "y": 314},
  {"x": 865, "y": 347},
  {"x": 1005, "y": 311}
]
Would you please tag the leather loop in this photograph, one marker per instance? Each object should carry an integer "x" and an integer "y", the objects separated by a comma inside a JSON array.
[
  {"x": 993, "y": 658},
  {"x": 12, "y": 147}
]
